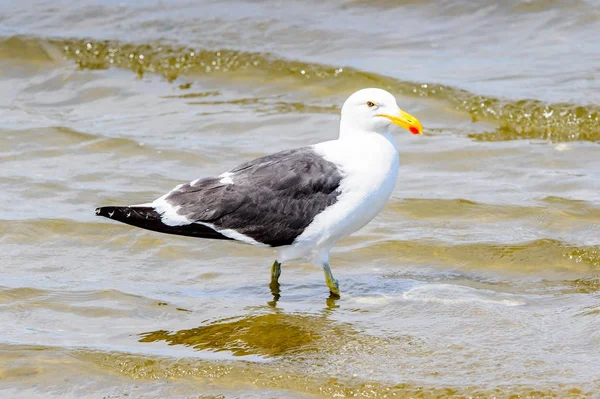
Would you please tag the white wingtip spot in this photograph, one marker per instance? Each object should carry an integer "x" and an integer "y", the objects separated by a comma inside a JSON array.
[
  {"x": 110, "y": 214},
  {"x": 226, "y": 178}
]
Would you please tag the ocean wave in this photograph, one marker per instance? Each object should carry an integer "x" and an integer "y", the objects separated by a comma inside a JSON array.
[{"x": 522, "y": 119}]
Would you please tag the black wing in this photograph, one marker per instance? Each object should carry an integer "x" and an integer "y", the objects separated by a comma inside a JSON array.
[{"x": 148, "y": 218}]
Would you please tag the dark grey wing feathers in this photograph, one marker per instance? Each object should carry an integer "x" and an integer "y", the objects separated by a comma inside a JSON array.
[
  {"x": 205, "y": 201},
  {"x": 271, "y": 200}
]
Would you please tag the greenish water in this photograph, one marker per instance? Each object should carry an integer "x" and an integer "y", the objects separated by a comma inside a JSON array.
[{"x": 481, "y": 278}]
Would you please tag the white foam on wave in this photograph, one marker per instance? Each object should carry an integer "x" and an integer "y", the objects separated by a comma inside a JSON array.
[
  {"x": 455, "y": 294},
  {"x": 447, "y": 294},
  {"x": 372, "y": 300}
]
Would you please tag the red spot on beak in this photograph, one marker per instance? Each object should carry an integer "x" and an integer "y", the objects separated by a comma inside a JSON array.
[{"x": 414, "y": 130}]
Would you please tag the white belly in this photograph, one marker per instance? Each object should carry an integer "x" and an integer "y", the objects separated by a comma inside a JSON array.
[{"x": 370, "y": 167}]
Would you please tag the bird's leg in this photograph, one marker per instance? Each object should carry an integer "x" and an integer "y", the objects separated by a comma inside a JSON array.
[
  {"x": 332, "y": 283},
  {"x": 275, "y": 273}
]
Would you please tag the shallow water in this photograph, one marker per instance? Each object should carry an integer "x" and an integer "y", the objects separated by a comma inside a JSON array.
[{"x": 481, "y": 278}]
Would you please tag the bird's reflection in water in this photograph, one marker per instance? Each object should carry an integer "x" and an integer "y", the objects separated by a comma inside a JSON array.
[
  {"x": 330, "y": 302},
  {"x": 268, "y": 333},
  {"x": 276, "y": 292}
]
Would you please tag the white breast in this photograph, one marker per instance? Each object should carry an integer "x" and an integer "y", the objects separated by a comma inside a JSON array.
[{"x": 370, "y": 168}]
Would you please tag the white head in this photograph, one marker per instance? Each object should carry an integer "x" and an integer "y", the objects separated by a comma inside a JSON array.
[{"x": 373, "y": 111}]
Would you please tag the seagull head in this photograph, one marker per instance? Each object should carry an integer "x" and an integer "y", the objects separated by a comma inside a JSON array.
[{"x": 374, "y": 111}]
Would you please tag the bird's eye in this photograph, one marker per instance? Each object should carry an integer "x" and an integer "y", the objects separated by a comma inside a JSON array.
[{"x": 371, "y": 104}]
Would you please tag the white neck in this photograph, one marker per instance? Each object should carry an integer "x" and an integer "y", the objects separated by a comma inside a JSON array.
[
  {"x": 354, "y": 137},
  {"x": 351, "y": 130}
]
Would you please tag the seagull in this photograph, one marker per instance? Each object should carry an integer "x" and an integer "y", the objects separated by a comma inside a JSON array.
[{"x": 300, "y": 202}]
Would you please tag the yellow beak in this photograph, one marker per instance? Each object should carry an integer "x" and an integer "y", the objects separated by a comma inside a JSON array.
[{"x": 405, "y": 120}]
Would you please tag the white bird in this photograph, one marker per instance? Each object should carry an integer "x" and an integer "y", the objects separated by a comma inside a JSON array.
[{"x": 300, "y": 202}]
